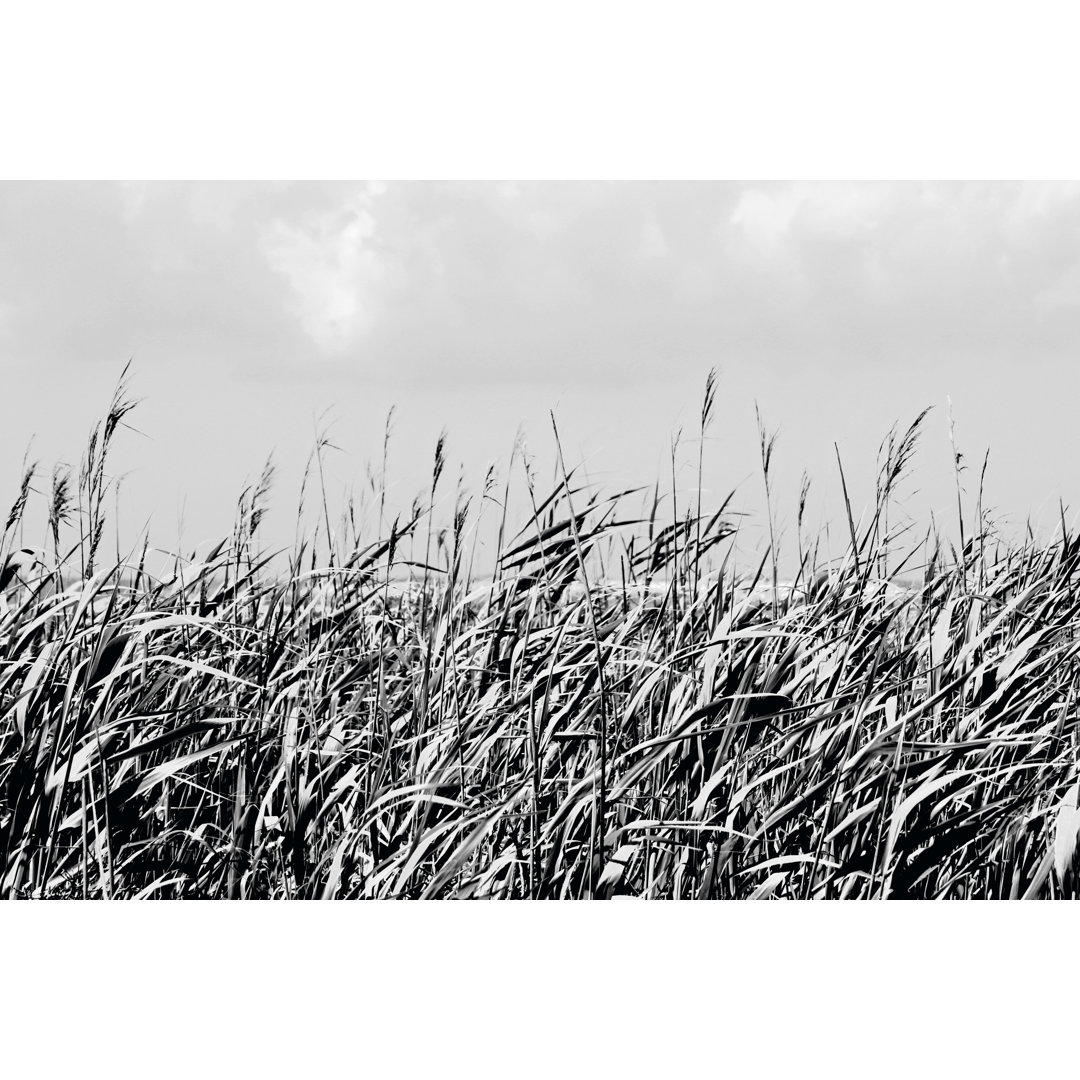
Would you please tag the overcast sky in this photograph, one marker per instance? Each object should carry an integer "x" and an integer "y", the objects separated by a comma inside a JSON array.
[{"x": 256, "y": 312}]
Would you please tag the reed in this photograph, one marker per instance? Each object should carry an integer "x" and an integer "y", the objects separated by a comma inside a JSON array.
[{"x": 620, "y": 708}]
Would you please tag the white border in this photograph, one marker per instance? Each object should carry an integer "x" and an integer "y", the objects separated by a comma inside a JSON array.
[{"x": 486, "y": 90}]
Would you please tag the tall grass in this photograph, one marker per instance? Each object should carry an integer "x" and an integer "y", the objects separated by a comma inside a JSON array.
[{"x": 618, "y": 709}]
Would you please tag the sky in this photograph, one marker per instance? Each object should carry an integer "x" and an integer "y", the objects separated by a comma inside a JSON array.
[{"x": 257, "y": 315}]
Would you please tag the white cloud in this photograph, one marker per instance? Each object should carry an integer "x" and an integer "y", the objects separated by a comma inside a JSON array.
[
  {"x": 769, "y": 214},
  {"x": 332, "y": 270},
  {"x": 766, "y": 215},
  {"x": 515, "y": 281}
]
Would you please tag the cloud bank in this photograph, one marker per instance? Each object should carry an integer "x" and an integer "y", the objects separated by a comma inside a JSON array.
[{"x": 424, "y": 283}]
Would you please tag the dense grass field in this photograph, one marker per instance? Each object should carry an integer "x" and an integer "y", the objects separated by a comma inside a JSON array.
[{"x": 624, "y": 707}]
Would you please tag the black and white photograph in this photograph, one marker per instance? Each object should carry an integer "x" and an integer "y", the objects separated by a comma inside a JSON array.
[
  {"x": 487, "y": 453},
  {"x": 540, "y": 540}
]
